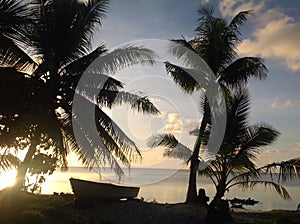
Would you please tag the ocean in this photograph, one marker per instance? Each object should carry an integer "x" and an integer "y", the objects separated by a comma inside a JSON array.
[{"x": 170, "y": 186}]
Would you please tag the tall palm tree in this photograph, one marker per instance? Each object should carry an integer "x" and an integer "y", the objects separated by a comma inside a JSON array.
[
  {"x": 234, "y": 164},
  {"x": 48, "y": 53},
  {"x": 215, "y": 42}
]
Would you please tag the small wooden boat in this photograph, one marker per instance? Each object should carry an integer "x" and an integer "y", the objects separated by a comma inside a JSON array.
[{"x": 94, "y": 191}]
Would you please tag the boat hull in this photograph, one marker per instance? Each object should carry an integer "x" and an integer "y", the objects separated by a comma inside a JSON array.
[{"x": 93, "y": 191}]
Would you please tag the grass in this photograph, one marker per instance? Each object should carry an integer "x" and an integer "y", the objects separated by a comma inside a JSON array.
[{"x": 23, "y": 207}]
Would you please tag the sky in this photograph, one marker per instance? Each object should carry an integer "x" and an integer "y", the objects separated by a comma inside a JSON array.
[{"x": 271, "y": 32}]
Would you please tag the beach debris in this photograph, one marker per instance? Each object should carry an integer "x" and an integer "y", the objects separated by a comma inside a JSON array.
[{"x": 238, "y": 203}]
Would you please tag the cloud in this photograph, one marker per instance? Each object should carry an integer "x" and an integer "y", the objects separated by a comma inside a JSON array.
[
  {"x": 190, "y": 124},
  {"x": 174, "y": 128},
  {"x": 155, "y": 99},
  {"x": 288, "y": 104},
  {"x": 274, "y": 103},
  {"x": 177, "y": 124},
  {"x": 162, "y": 114},
  {"x": 204, "y": 1},
  {"x": 230, "y": 8},
  {"x": 276, "y": 155},
  {"x": 276, "y": 36},
  {"x": 173, "y": 117},
  {"x": 278, "y": 103}
]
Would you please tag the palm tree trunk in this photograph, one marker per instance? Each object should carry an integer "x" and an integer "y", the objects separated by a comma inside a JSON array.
[
  {"x": 218, "y": 209},
  {"x": 22, "y": 169},
  {"x": 191, "y": 196}
]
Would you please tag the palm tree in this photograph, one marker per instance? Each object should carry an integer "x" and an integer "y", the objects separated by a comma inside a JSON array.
[
  {"x": 47, "y": 54},
  {"x": 234, "y": 164},
  {"x": 215, "y": 42}
]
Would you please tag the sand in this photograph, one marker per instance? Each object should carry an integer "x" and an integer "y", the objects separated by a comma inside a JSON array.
[
  {"x": 29, "y": 208},
  {"x": 140, "y": 213}
]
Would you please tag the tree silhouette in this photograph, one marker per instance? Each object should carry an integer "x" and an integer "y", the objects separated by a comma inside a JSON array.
[
  {"x": 44, "y": 52},
  {"x": 215, "y": 42}
]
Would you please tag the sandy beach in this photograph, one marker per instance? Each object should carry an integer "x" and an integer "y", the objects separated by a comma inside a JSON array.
[
  {"x": 29, "y": 208},
  {"x": 146, "y": 213}
]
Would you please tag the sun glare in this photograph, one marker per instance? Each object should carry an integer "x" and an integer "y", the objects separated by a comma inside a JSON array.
[{"x": 7, "y": 178}]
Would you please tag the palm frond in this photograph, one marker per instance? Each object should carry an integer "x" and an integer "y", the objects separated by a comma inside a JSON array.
[
  {"x": 92, "y": 149},
  {"x": 80, "y": 65},
  {"x": 257, "y": 136},
  {"x": 239, "y": 72},
  {"x": 211, "y": 42},
  {"x": 174, "y": 149},
  {"x": 163, "y": 140},
  {"x": 185, "y": 81},
  {"x": 280, "y": 190},
  {"x": 121, "y": 58},
  {"x": 288, "y": 170},
  {"x": 238, "y": 20},
  {"x": 11, "y": 55},
  {"x": 180, "y": 42},
  {"x": 241, "y": 162},
  {"x": 14, "y": 17},
  {"x": 125, "y": 143},
  {"x": 185, "y": 51},
  {"x": 101, "y": 118},
  {"x": 232, "y": 34},
  {"x": 125, "y": 156},
  {"x": 110, "y": 98},
  {"x": 62, "y": 36},
  {"x": 205, "y": 18},
  {"x": 237, "y": 117},
  {"x": 8, "y": 161},
  {"x": 91, "y": 84}
]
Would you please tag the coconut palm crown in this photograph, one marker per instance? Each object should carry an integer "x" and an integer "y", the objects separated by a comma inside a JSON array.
[{"x": 45, "y": 50}]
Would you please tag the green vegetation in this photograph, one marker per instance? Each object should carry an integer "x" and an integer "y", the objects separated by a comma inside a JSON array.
[{"x": 23, "y": 207}]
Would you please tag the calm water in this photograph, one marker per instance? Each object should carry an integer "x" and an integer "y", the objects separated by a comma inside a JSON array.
[{"x": 169, "y": 186}]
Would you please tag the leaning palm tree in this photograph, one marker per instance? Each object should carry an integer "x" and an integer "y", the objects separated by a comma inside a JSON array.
[
  {"x": 215, "y": 42},
  {"x": 234, "y": 164},
  {"x": 48, "y": 55}
]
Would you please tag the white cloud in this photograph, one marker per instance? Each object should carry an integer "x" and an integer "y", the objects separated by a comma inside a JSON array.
[
  {"x": 276, "y": 37},
  {"x": 162, "y": 114},
  {"x": 175, "y": 124},
  {"x": 173, "y": 117},
  {"x": 190, "y": 124},
  {"x": 155, "y": 99},
  {"x": 230, "y": 8},
  {"x": 173, "y": 128}
]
